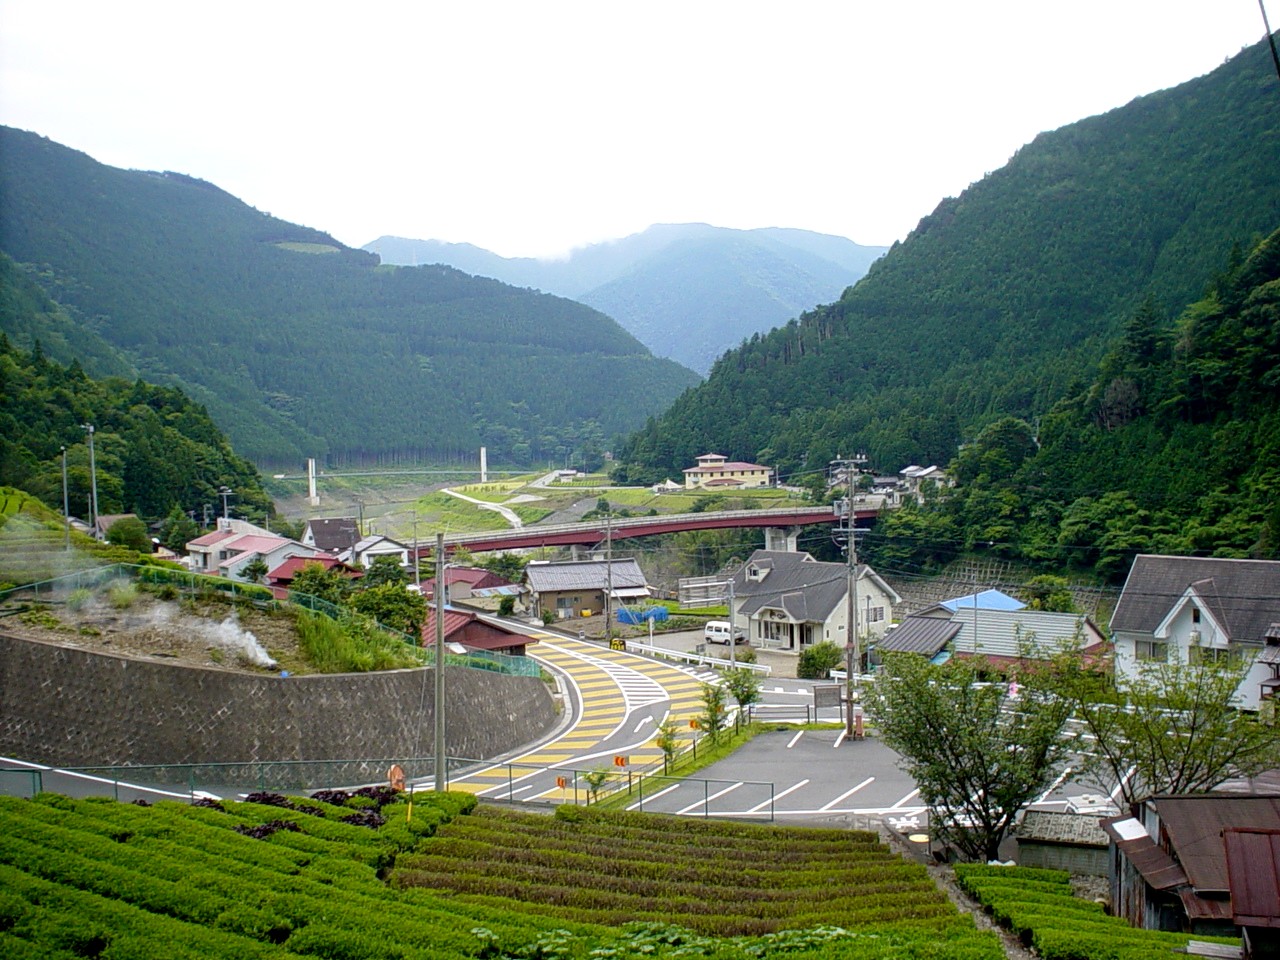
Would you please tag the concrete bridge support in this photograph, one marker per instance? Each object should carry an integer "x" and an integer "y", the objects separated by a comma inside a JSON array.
[{"x": 781, "y": 538}]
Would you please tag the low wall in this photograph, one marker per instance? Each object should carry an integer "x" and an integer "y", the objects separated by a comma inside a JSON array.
[{"x": 68, "y": 707}]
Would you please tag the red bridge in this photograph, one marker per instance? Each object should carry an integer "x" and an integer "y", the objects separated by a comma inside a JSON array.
[{"x": 618, "y": 528}]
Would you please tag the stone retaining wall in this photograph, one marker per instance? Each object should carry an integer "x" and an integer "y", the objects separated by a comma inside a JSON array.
[{"x": 68, "y": 707}]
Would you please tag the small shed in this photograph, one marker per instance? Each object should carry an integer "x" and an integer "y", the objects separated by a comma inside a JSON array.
[{"x": 1074, "y": 842}]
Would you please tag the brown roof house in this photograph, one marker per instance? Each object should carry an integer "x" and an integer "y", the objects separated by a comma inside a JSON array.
[
  {"x": 1190, "y": 608},
  {"x": 577, "y": 588},
  {"x": 717, "y": 472},
  {"x": 1171, "y": 863}
]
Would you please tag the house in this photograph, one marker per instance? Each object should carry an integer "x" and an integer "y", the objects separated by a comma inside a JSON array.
[
  {"x": 369, "y": 549},
  {"x": 716, "y": 472},
  {"x": 460, "y": 583},
  {"x": 916, "y": 480},
  {"x": 791, "y": 601},
  {"x": 666, "y": 486},
  {"x": 102, "y": 524},
  {"x": 1169, "y": 866},
  {"x": 1007, "y": 637},
  {"x": 1193, "y": 608},
  {"x": 331, "y": 534},
  {"x": 577, "y": 588},
  {"x": 235, "y": 544},
  {"x": 280, "y": 578},
  {"x": 476, "y": 632},
  {"x": 991, "y": 625}
]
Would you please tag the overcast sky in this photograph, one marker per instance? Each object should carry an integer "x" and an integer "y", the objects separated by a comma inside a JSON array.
[{"x": 532, "y": 127}]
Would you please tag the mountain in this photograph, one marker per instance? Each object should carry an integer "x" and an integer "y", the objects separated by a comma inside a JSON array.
[
  {"x": 1003, "y": 300},
  {"x": 299, "y": 346},
  {"x": 687, "y": 291}
]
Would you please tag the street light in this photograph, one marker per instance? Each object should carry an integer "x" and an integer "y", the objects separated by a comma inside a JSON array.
[{"x": 224, "y": 492}]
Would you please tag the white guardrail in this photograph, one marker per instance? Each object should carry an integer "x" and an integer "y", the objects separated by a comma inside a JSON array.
[{"x": 634, "y": 646}]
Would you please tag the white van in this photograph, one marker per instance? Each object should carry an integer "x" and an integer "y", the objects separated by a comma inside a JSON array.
[{"x": 717, "y": 631}]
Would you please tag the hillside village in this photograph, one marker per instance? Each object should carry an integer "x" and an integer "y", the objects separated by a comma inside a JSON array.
[{"x": 683, "y": 674}]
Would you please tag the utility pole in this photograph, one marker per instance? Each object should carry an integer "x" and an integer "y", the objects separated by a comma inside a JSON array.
[
  {"x": 608, "y": 574},
  {"x": 66, "y": 509},
  {"x": 852, "y": 653},
  {"x": 442, "y": 760},
  {"x": 93, "y": 481},
  {"x": 733, "y": 640},
  {"x": 417, "y": 554}
]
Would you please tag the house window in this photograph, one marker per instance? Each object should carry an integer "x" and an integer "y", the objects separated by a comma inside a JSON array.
[
  {"x": 1197, "y": 654},
  {"x": 875, "y": 614},
  {"x": 1151, "y": 650},
  {"x": 1195, "y": 614}
]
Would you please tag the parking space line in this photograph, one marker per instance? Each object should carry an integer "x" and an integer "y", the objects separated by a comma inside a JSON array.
[
  {"x": 910, "y": 796},
  {"x": 849, "y": 793},
  {"x": 1054, "y": 786},
  {"x": 778, "y": 796},
  {"x": 661, "y": 793},
  {"x": 839, "y": 739},
  {"x": 795, "y": 739},
  {"x": 706, "y": 800}
]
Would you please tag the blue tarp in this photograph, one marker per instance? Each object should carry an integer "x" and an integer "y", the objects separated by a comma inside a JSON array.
[{"x": 641, "y": 614}]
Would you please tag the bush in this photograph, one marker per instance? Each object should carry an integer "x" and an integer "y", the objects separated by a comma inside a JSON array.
[{"x": 817, "y": 661}]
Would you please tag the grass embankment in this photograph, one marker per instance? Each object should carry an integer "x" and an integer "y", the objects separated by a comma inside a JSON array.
[{"x": 273, "y": 877}]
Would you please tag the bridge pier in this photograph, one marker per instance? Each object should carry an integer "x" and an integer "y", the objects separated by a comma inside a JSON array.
[{"x": 781, "y": 539}]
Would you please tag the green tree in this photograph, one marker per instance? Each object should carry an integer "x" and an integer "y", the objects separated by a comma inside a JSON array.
[
  {"x": 714, "y": 714},
  {"x": 392, "y": 606},
  {"x": 1170, "y": 728},
  {"x": 130, "y": 532},
  {"x": 255, "y": 570},
  {"x": 743, "y": 685},
  {"x": 313, "y": 580},
  {"x": 818, "y": 660},
  {"x": 668, "y": 741},
  {"x": 509, "y": 566},
  {"x": 976, "y": 759},
  {"x": 385, "y": 570},
  {"x": 1048, "y": 592},
  {"x": 178, "y": 530},
  {"x": 506, "y": 606}
]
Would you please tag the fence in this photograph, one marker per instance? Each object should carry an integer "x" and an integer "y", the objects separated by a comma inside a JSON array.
[
  {"x": 195, "y": 584},
  {"x": 663, "y": 653}
]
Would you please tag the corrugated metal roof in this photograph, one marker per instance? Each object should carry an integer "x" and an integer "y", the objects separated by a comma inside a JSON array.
[
  {"x": 1194, "y": 825},
  {"x": 584, "y": 575},
  {"x": 923, "y": 635},
  {"x": 1005, "y": 633},
  {"x": 1242, "y": 595},
  {"x": 1253, "y": 874}
]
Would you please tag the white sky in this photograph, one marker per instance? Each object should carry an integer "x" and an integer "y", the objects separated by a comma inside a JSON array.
[{"x": 532, "y": 127}]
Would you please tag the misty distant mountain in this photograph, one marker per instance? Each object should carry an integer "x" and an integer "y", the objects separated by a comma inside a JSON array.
[{"x": 687, "y": 291}]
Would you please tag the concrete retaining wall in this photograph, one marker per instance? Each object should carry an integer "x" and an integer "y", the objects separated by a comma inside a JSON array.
[{"x": 68, "y": 707}]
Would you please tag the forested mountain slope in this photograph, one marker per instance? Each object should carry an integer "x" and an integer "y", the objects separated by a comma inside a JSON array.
[
  {"x": 1004, "y": 298},
  {"x": 688, "y": 291},
  {"x": 1173, "y": 448},
  {"x": 301, "y": 347}
]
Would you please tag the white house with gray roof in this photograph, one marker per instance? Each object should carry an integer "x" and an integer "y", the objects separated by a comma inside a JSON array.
[
  {"x": 577, "y": 588},
  {"x": 1193, "y": 608},
  {"x": 790, "y": 601}
]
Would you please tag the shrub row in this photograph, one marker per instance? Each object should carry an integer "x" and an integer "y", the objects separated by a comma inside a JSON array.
[{"x": 1038, "y": 905}]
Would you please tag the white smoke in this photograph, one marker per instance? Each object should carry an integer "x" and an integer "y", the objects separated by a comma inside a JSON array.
[{"x": 230, "y": 635}]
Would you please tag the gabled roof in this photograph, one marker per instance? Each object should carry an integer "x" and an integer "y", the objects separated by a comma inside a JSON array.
[
  {"x": 1243, "y": 596},
  {"x": 378, "y": 540},
  {"x": 807, "y": 590},
  {"x": 211, "y": 539},
  {"x": 986, "y": 600},
  {"x": 584, "y": 575},
  {"x": 292, "y": 566},
  {"x": 332, "y": 534},
  {"x": 924, "y": 635}
]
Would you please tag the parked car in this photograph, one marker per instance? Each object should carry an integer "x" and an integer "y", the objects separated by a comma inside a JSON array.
[{"x": 717, "y": 631}]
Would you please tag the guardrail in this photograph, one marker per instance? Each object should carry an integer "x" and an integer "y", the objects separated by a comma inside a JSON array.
[{"x": 664, "y": 653}]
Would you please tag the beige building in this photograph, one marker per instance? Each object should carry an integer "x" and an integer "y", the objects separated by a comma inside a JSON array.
[{"x": 716, "y": 472}]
